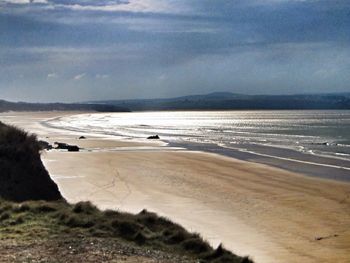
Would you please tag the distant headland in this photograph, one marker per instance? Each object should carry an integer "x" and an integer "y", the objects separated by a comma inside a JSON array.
[
  {"x": 211, "y": 101},
  {"x": 25, "y": 106},
  {"x": 234, "y": 101}
]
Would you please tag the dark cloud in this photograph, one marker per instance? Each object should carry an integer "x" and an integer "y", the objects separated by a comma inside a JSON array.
[
  {"x": 173, "y": 47},
  {"x": 88, "y": 2}
]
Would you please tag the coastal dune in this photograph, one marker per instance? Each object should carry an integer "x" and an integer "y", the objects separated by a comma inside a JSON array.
[{"x": 270, "y": 214}]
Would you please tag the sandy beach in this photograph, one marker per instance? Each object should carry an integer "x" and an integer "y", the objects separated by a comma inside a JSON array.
[{"x": 270, "y": 214}]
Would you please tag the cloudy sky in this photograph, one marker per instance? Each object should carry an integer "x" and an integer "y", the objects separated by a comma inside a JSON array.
[{"x": 74, "y": 50}]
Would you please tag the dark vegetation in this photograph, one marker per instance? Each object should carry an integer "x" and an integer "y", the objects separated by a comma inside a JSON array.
[
  {"x": 146, "y": 229},
  {"x": 22, "y": 174},
  {"x": 43, "y": 221},
  {"x": 232, "y": 101},
  {"x": 23, "y": 106}
]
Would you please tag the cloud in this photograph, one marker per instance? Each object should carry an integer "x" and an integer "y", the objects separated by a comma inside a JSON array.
[
  {"x": 172, "y": 47},
  {"x": 133, "y": 6},
  {"x": 52, "y": 75},
  {"x": 129, "y": 6},
  {"x": 23, "y": 2},
  {"x": 102, "y": 76},
  {"x": 162, "y": 77},
  {"x": 79, "y": 76}
]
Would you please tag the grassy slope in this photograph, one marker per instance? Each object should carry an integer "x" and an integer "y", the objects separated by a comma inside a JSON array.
[
  {"x": 55, "y": 231},
  {"x": 36, "y": 223},
  {"x": 23, "y": 176}
]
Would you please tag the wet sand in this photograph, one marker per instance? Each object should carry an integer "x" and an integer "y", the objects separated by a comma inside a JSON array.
[{"x": 268, "y": 213}]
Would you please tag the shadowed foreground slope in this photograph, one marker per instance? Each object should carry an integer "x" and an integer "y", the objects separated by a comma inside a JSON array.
[
  {"x": 55, "y": 231},
  {"x": 22, "y": 174}
]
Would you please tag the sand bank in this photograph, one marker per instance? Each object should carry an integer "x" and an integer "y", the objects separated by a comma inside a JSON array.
[{"x": 271, "y": 214}]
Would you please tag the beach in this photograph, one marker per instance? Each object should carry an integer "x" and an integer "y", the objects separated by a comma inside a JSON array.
[{"x": 271, "y": 214}]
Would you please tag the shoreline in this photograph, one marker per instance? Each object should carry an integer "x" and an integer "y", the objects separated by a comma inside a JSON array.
[
  {"x": 315, "y": 165},
  {"x": 309, "y": 167},
  {"x": 270, "y": 214}
]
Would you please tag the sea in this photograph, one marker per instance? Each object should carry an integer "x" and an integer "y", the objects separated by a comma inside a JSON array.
[{"x": 315, "y": 143}]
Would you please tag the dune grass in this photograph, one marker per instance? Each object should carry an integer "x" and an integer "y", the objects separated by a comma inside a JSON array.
[
  {"x": 23, "y": 176},
  {"x": 47, "y": 220}
]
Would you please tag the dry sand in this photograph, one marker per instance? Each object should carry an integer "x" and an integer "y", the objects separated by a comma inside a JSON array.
[{"x": 271, "y": 214}]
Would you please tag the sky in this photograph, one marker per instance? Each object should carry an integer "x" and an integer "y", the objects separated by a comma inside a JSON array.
[{"x": 79, "y": 50}]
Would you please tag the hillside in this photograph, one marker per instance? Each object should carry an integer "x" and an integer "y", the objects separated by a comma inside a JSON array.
[
  {"x": 23, "y": 106},
  {"x": 38, "y": 225},
  {"x": 232, "y": 101},
  {"x": 23, "y": 176}
]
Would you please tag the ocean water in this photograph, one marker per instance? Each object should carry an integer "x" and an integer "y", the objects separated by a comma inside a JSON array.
[{"x": 295, "y": 135}]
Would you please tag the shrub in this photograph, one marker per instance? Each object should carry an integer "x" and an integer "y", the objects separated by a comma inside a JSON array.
[
  {"x": 110, "y": 213},
  {"x": 218, "y": 252},
  {"x": 19, "y": 220},
  {"x": 128, "y": 229},
  {"x": 195, "y": 245},
  {"x": 154, "y": 222},
  {"x": 177, "y": 237},
  {"x": 75, "y": 221},
  {"x": 85, "y": 208},
  {"x": 4, "y": 216},
  {"x": 43, "y": 207},
  {"x": 21, "y": 208},
  {"x": 140, "y": 238}
]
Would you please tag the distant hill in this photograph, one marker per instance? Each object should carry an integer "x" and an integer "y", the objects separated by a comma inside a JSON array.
[
  {"x": 233, "y": 101},
  {"x": 211, "y": 101},
  {"x": 23, "y": 106}
]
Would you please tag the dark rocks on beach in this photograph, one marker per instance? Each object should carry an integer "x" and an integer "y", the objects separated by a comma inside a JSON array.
[
  {"x": 82, "y": 137},
  {"x": 44, "y": 145},
  {"x": 65, "y": 146},
  {"x": 73, "y": 148},
  {"x": 154, "y": 137},
  {"x": 61, "y": 145}
]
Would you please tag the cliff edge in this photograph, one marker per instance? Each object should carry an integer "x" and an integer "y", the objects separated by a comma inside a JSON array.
[{"x": 22, "y": 174}]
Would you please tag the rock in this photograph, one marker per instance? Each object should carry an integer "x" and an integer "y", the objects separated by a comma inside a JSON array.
[
  {"x": 73, "y": 148},
  {"x": 154, "y": 137},
  {"x": 65, "y": 146},
  {"x": 61, "y": 145},
  {"x": 44, "y": 145},
  {"x": 82, "y": 137}
]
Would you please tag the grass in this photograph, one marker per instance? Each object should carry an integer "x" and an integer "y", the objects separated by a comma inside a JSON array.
[
  {"x": 23, "y": 176},
  {"x": 42, "y": 219}
]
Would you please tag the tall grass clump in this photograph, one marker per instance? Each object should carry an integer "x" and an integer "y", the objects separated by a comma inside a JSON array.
[{"x": 23, "y": 176}]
